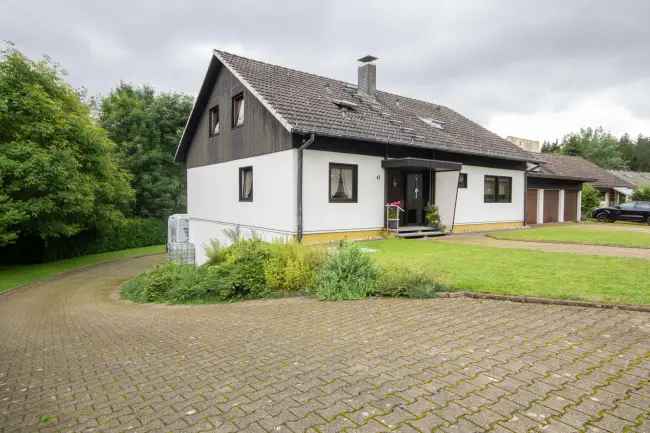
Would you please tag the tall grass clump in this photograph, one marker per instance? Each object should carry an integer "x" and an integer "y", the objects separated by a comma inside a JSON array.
[{"x": 349, "y": 273}]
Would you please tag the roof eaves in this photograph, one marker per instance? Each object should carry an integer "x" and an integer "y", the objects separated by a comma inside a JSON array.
[
  {"x": 255, "y": 93},
  {"x": 431, "y": 146}
]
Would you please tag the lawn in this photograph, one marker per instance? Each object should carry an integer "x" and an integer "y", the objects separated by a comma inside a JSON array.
[
  {"x": 14, "y": 276},
  {"x": 523, "y": 272},
  {"x": 588, "y": 234}
]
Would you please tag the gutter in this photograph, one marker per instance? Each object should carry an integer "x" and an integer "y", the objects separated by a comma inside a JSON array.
[{"x": 305, "y": 144}]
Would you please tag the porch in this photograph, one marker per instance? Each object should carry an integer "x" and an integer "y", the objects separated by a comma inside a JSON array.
[{"x": 414, "y": 184}]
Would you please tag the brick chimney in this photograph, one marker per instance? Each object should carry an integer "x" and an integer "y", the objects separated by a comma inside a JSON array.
[{"x": 367, "y": 83}]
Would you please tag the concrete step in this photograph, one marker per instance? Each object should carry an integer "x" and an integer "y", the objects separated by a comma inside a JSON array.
[{"x": 420, "y": 234}]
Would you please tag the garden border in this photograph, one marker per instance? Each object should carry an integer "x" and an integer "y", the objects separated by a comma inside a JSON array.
[{"x": 546, "y": 301}]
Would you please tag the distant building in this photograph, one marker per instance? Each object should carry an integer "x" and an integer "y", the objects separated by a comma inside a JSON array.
[
  {"x": 526, "y": 144},
  {"x": 638, "y": 179}
]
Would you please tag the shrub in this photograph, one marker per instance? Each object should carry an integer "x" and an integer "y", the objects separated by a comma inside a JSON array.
[
  {"x": 159, "y": 284},
  {"x": 215, "y": 252},
  {"x": 244, "y": 262},
  {"x": 291, "y": 266},
  {"x": 347, "y": 274},
  {"x": 590, "y": 199},
  {"x": 401, "y": 281},
  {"x": 641, "y": 194}
]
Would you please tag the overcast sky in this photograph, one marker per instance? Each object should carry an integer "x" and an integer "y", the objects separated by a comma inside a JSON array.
[{"x": 532, "y": 69}]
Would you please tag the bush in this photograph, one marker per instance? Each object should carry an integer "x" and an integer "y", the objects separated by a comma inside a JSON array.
[
  {"x": 160, "y": 284},
  {"x": 641, "y": 194},
  {"x": 347, "y": 274},
  {"x": 401, "y": 281},
  {"x": 129, "y": 233},
  {"x": 292, "y": 266},
  {"x": 590, "y": 199}
]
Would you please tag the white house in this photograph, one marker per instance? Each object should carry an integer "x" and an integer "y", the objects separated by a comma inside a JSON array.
[{"x": 288, "y": 154}]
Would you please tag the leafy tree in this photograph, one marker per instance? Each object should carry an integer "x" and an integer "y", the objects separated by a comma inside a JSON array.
[
  {"x": 146, "y": 128},
  {"x": 554, "y": 147},
  {"x": 596, "y": 145},
  {"x": 58, "y": 175},
  {"x": 642, "y": 194},
  {"x": 590, "y": 199}
]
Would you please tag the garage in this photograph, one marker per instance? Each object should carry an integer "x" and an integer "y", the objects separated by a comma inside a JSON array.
[
  {"x": 570, "y": 205},
  {"x": 531, "y": 206},
  {"x": 551, "y": 205}
]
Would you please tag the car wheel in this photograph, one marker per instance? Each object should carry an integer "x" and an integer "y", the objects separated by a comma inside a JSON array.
[{"x": 602, "y": 217}]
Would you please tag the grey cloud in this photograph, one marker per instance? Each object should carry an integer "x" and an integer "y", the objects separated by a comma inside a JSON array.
[{"x": 480, "y": 58}]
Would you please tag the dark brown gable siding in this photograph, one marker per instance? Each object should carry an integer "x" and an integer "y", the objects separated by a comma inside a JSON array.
[{"x": 260, "y": 134}]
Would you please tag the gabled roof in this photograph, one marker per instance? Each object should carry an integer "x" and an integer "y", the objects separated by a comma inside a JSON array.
[
  {"x": 636, "y": 178},
  {"x": 306, "y": 103},
  {"x": 575, "y": 167}
]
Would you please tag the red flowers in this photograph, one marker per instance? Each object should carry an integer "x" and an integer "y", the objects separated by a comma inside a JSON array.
[{"x": 397, "y": 203}]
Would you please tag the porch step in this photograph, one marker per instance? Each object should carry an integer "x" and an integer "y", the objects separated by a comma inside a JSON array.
[{"x": 418, "y": 232}]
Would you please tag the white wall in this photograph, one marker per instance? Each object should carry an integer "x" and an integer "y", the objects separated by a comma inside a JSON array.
[
  {"x": 319, "y": 215},
  {"x": 446, "y": 185},
  {"x": 213, "y": 199},
  {"x": 560, "y": 207},
  {"x": 471, "y": 208}
]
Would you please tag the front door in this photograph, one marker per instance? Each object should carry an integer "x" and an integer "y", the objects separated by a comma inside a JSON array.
[{"x": 414, "y": 203}]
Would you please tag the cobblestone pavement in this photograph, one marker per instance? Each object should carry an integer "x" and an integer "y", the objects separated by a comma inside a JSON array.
[{"x": 75, "y": 358}]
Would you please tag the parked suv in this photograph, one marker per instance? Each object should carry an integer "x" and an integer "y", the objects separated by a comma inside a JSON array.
[{"x": 631, "y": 211}]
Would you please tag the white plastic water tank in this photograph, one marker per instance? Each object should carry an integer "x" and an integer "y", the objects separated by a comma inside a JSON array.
[{"x": 179, "y": 248}]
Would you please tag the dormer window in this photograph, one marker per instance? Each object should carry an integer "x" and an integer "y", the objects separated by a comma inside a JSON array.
[
  {"x": 238, "y": 110},
  {"x": 214, "y": 121},
  {"x": 432, "y": 122}
]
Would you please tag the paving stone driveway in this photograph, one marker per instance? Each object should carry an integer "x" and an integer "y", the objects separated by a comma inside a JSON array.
[{"x": 74, "y": 358}]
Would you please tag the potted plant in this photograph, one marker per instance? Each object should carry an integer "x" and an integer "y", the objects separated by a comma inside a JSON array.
[{"x": 433, "y": 217}]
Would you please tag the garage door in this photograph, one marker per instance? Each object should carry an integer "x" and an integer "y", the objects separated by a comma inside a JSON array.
[
  {"x": 570, "y": 205},
  {"x": 531, "y": 206},
  {"x": 551, "y": 201}
]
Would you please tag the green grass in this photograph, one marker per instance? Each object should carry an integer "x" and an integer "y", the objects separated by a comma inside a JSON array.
[
  {"x": 523, "y": 272},
  {"x": 15, "y": 276},
  {"x": 587, "y": 234}
]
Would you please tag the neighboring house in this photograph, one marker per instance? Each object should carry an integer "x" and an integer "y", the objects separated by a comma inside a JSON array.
[
  {"x": 637, "y": 179},
  {"x": 288, "y": 154},
  {"x": 554, "y": 187}
]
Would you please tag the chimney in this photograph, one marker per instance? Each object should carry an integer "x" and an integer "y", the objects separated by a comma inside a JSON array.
[
  {"x": 367, "y": 84},
  {"x": 526, "y": 144}
]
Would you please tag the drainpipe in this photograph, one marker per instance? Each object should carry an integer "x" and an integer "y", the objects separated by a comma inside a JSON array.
[
  {"x": 528, "y": 170},
  {"x": 305, "y": 144}
]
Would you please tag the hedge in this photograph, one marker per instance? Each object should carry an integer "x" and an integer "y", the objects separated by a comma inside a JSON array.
[{"x": 132, "y": 233}]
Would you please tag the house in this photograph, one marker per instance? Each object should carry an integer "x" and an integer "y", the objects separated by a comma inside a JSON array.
[
  {"x": 554, "y": 186},
  {"x": 637, "y": 179},
  {"x": 288, "y": 154}
]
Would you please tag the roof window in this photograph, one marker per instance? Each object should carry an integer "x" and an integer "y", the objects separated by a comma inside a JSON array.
[{"x": 432, "y": 122}]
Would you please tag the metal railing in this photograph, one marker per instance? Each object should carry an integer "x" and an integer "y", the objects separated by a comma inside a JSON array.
[{"x": 392, "y": 216}]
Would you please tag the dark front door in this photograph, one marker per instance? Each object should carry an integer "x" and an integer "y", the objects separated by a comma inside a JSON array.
[{"x": 414, "y": 198}]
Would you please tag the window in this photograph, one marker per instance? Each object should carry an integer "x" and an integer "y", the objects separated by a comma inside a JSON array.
[
  {"x": 214, "y": 121},
  {"x": 238, "y": 110},
  {"x": 462, "y": 180},
  {"x": 498, "y": 189},
  {"x": 628, "y": 206},
  {"x": 343, "y": 183},
  {"x": 246, "y": 184}
]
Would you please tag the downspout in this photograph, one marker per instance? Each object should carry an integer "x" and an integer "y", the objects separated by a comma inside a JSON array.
[
  {"x": 528, "y": 170},
  {"x": 305, "y": 144}
]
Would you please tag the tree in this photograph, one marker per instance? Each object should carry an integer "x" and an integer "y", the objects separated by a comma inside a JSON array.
[
  {"x": 590, "y": 199},
  {"x": 641, "y": 194},
  {"x": 146, "y": 128},
  {"x": 58, "y": 173},
  {"x": 596, "y": 145}
]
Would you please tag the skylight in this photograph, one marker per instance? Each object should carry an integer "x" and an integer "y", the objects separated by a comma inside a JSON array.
[{"x": 432, "y": 122}]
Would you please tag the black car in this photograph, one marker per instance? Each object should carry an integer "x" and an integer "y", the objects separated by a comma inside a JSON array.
[{"x": 638, "y": 211}]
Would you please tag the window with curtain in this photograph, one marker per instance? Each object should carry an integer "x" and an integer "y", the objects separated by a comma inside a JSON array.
[
  {"x": 214, "y": 120},
  {"x": 238, "y": 110},
  {"x": 343, "y": 183},
  {"x": 498, "y": 189},
  {"x": 462, "y": 180},
  {"x": 246, "y": 184}
]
